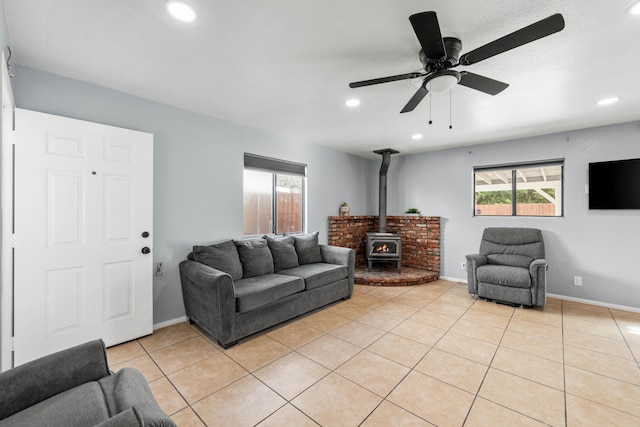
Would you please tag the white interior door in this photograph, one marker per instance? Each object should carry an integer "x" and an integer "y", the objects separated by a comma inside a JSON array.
[{"x": 83, "y": 206}]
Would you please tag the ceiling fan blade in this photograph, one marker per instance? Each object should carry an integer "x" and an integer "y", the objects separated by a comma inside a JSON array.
[
  {"x": 535, "y": 31},
  {"x": 481, "y": 83},
  {"x": 415, "y": 100},
  {"x": 427, "y": 29},
  {"x": 385, "y": 80}
]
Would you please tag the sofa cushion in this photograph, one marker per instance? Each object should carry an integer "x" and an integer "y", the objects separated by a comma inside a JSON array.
[
  {"x": 307, "y": 248},
  {"x": 80, "y": 406},
  {"x": 223, "y": 257},
  {"x": 517, "y": 277},
  {"x": 255, "y": 257},
  {"x": 283, "y": 252},
  {"x": 255, "y": 292},
  {"x": 317, "y": 274}
]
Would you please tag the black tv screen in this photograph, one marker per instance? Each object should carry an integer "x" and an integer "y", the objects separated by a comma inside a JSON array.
[{"x": 614, "y": 185}]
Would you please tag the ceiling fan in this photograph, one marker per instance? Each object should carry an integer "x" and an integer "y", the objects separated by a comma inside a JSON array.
[{"x": 439, "y": 55}]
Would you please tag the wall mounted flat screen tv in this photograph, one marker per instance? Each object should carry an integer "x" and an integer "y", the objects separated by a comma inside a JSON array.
[{"x": 614, "y": 185}]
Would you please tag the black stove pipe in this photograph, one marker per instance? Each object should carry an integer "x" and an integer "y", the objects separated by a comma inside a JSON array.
[{"x": 382, "y": 190}]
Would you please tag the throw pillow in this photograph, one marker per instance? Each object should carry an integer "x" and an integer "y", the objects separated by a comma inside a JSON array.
[
  {"x": 307, "y": 248},
  {"x": 283, "y": 252},
  {"x": 223, "y": 257},
  {"x": 255, "y": 257}
]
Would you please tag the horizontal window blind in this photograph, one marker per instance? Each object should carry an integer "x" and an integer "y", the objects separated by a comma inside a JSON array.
[
  {"x": 275, "y": 165},
  {"x": 522, "y": 165}
]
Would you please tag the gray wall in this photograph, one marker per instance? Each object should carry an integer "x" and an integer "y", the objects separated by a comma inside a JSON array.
[
  {"x": 601, "y": 246},
  {"x": 198, "y": 164}
]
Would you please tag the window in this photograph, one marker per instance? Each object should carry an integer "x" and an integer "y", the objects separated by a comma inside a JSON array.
[
  {"x": 529, "y": 189},
  {"x": 273, "y": 196}
]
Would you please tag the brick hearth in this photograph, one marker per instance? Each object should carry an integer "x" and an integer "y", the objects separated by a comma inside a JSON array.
[{"x": 420, "y": 239}]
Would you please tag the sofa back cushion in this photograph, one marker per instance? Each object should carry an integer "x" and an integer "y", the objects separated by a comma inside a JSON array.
[
  {"x": 307, "y": 248},
  {"x": 283, "y": 252},
  {"x": 516, "y": 247},
  {"x": 255, "y": 257},
  {"x": 223, "y": 257}
]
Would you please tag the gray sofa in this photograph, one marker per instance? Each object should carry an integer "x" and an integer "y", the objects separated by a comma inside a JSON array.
[
  {"x": 74, "y": 387},
  {"x": 236, "y": 288},
  {"x": 510, "y": 268}
]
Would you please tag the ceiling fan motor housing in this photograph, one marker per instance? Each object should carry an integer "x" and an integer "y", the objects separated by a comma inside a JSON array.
[{"x": 452, "y": 47}]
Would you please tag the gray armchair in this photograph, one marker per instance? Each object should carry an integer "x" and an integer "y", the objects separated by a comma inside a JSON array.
[
  {"x": 510, "y": 267},
  {"x": 74, "y": 388}
]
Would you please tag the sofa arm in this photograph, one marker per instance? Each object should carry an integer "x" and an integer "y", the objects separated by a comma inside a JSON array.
[
  {"x": 40, "y": 379},
  {"x": 209, "y": 298},
  {"x": 128, "y": 389},
  {"x": 538, "y": 271},
  {"x": 473, "y": 262},
  {"x": 341, "y": 256}
]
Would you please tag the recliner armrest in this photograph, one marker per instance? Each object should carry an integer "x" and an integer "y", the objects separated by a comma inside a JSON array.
[
  {"x": 128, "y": 389},
  {"x": 40, "y": 379},
  {"x": 473, "y": 262},
  {"x": 538, "y": 271},
  {"x": 537, "y": 263}
]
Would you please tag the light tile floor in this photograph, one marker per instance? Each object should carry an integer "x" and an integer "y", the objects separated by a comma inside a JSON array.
[{"x": 404, "y": 356}]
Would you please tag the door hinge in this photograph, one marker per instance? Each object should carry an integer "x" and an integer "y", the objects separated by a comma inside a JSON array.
[
  {"x": 13, "y": 343},
  {"x": 13, "y": 240},
  {"x": 13, "y": 137}
]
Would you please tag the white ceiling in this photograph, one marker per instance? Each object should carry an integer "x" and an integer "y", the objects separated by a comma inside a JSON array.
[{"x": 285, "y": 65}]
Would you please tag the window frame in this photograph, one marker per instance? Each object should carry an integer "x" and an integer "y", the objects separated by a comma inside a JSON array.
[
  {"x": 514, "y": 167},
  {"x": 277, "y": 167}
]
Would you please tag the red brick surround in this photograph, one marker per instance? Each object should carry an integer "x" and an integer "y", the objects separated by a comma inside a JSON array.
[{"x": 420, "y": 238}]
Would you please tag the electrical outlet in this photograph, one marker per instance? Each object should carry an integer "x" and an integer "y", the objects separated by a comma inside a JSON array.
[
  {"x": 577, "y": 280},
  {"x": 463, "y": 266}
]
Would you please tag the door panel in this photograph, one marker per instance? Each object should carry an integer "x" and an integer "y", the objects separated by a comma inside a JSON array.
[{"x": 83, "y": 198}]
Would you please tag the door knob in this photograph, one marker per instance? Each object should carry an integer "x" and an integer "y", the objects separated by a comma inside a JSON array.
[{"x": 146, "y": 250}]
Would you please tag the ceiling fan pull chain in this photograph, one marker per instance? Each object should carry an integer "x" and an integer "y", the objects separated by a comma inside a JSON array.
[
  {"x": 450, "y": 107},
  {"x": 430, "y": 121}
]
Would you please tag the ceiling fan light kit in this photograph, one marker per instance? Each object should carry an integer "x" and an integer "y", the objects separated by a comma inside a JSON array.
[
  {"x": 439, "y": 55},
  {"x": 443, "y": 81}
]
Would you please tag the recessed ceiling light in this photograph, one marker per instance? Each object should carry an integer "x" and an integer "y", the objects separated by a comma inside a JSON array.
[
  {"x": 634, "y": 9},
  {"x": 608, "y": 101},
  {"x": 416, "y": 136},
  {"x": 352, "y": 102},
  {"x": 181, "y": 11}
]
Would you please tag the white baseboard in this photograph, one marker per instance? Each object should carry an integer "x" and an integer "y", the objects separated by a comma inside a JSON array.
[
  {"x": 170, "y": 322},
  {"x": 453, "y": 279},
  {"x": 598, "y": 303}
]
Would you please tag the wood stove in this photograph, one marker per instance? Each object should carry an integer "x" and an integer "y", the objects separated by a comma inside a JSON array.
[{"x": 383, "y": 246}]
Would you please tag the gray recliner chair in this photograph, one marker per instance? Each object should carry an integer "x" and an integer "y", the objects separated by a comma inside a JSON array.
[
  {"x": 510, "y": 267},
  {"x": 75, "y": 388}
]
